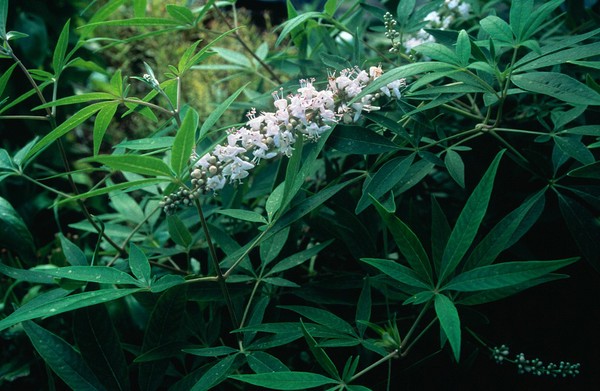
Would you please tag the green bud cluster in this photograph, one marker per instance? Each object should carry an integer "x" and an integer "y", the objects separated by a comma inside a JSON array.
[{"x": 535, "y": 366}]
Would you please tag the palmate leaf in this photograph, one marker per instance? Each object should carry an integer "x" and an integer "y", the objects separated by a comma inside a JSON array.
[
  {"x": 398, "y": 272},
  {"x": 506, "y": 232},
  {"x": 468, "y": 221},
  {"x": 64, "y": 360}
]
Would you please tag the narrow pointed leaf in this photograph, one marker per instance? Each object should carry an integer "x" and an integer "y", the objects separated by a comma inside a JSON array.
[
  {"x": 14, "y": 234},
  {"x": 144, "y": 165},
  {"x": 99, "y": 274},
  {"x": 322, "y": 317},
  {"x": 498, "y": 29},
  {"x": 99, "y": 344},
  {"x": 463, "y": 48},
  {"x": 66, "y": 126},
  {"x": 138, "y": 263},
  {"x": 163, "y": 327},
  {"x": 449, "y": 322},
  {"x": 184, "y": 142},
  {"x": 74, "y": 255},
  {"x": 358, "y": 140},
  {"x": 468, "y": 221},
  {"x": 384, "y": 180},
  {"x": 320, "y": 354},
  {"x": 440, "y": 232},
  {"x": 178, "y": 231},
  {"x": 103, "y": 118},
  {"x": 501, "y": 236},
  {"x": 64, "y": 360},
  {"x": 504, "y": 274},
  {"x": 557, "y": 85},
  {"x": 285, "y": 380},
  {"x": 64, "y": 304},
  {"x": 396, "y": 271},
  {"x": 58, "y": 59},
  {"x": 408, "y": 243},
  {"x": 214, "y": 115},
  {"x": 584, "y": 228},
  {"x": 262, "y": 362},
  {"x": 216, "y": 374},
  {"x": 455, "y": 166}
]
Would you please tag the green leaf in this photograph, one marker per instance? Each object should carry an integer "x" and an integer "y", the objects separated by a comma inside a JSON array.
[
  {"x": 358, "y": 140},
  {"x": 166, "y": 282},
  {"x": 561, "y": 57},
  {"x": 449, "y": 322},
  {"x": 297, "y": 258},
  {"x": 272, "y": 246},
  {"x": 504, "y": 274},
  {"x": 3, "y": 16},
  {"x": 74, "y": 255},
  {"x": 76, "y": 99},
  {"x": 99, "y": 344},
  {"x": 413, "y": 176},
  {"x": 150, "y": 143},
  {"x": 164, "y": 326},
  {"x": 319, "y": 354},
  {"x": 588, "y": 171},
  {"x": 274, "y": 201},
  {"x": 408, "y": 243},
  {"x": 440, "y": 232},
  {"x": 135, "y": 22},
  {"x": 396, "y": 271},
  {"x": 211, "y": 352},
  {"x": 58, "y": 58},
  {"x": 261, "y": 362},
  {"x": 141, "y": 183},
  {"x": 404, "y": 9},
  {"x": 503, "y": 233},
  {"x": 182, "y": 14},
  {"x": 215, "y": 114},
  {"x": 322, "y": 317},
  {"x": 73, "y": 121},
  {"x": 536, "y": 18},
  {"x": 463, "y": 48},
  {"x": 468, "y": 221},
  {"x": 438, "y": 52},
  {"x": 99, "y": 274},
  {"x": 64, "y": 304},
  {"x": 285, "y": 380},
  {"x": 490, "y": 295},
  {"x": 296, "y": 21},
  {"x": 455, "y": 166},
  {"x": 103, "y": 118},
  {"x": 557, "y": 85},
  {"x": 26, "y": 275},
  {"x": 216, "y": 374},
  {"x": 584, "y": 228},
  {"x": 184, "y": 142},
  {"x": 145, "y": 165},
  {"x": 138, "y": 263},
  {"x": 520, "y": 11},
  {"x": 498, "y": 29},
  {"x": 14, "y": 234},
  {"x": 363, "y": 307},
  {"x": 384, "y": 180},
  {"x": 6, "y": 76},
  {"x": 245, "y": 215},
  {"x": 64, "y": 360},
  {"x": 334, "y": 62},
  {"x": 572, "y": 146},
  {"x": 178, "y": 231}
]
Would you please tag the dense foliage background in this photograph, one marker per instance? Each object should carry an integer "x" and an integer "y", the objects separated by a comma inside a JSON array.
[{"x": 422, "y": 178}]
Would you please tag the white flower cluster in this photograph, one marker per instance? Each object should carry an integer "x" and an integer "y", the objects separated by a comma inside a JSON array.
[
  {"x": 441, "y": 19},
  {"x": 308, "y": 113}
]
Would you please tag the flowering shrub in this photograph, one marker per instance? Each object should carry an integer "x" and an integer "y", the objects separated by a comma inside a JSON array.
[{"x": 377, "y": 217}]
